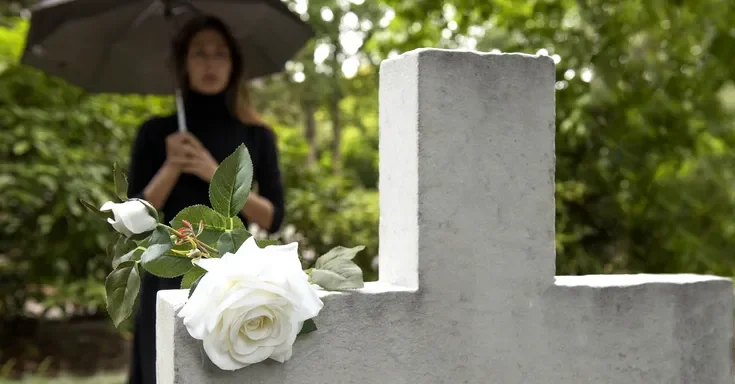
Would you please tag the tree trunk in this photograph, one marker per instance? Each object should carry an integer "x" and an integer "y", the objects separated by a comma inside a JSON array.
[
  {"x": 310, "y": 130},
  {"x": 337, "y": 133}
]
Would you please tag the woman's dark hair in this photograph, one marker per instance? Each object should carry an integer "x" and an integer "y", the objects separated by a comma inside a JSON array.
[{"x": 181, "y": 50}]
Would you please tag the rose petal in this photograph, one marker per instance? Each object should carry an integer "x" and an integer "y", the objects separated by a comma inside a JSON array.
[
  {"x": 107, "y": 206},
  {"x": 284, "y": 350},
  {"x": 247, "y": 295},
  {"x": 248, "y": 298},
  {"x": 135, "y": 216},
  {"x": 200, "y": 306},
  {"x": 249, "y": 249},
  {"x": 262, "y": 331},
  {"x": 209, "y": 264},
  {"x": 221, "y": 356},
  {"x": 119, "y": 227},
  {"x": 266, "y": 285},
  {"x": 281, "y": 330},
  {"x": 280, "y": 267},
  {"x": 287, "y": 249}
]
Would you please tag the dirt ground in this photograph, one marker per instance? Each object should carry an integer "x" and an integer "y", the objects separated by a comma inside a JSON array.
[{"x": 80, "y": 346}]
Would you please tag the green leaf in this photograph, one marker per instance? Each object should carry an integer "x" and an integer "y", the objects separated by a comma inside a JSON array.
[
  {"x": 132, "y": 255},
  {"x": 103, "y": 215},
  {"x": 309, "y": 327},
  {"x": 111, "y": 247},
  {"x": 158, "y": 244},
  {"x": 150, "y": 208},
  {"x": 157, "y": 261},
  {"x": 343, "y": 274},
  {"x": 231, "y": 183},
  {"x": 122, "y": 286},
  {"x": 141, "y": 236},
  {"x": 192, "y": 276},
  {"x": 232, "y": 240},
  {"x": 121, "y": 183},
  {"x": 262, "y": 243},
  {"x": 336, "y": 271},
  {"x": 337, "y": 253},
  {"x": 195, "y": 284},
  {"x": 122, "y": 247},
  {"x": 168, "y": 265},
  {"x": 144, "y": 243},
  {"x": 214, "y": 223}
]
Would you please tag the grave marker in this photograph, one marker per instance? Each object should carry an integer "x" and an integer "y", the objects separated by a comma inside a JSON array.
[{"x": 467, "y": 292}]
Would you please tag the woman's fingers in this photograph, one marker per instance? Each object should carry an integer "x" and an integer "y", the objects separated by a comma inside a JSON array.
[
  {"x": 192, "y": 140},
  {"x": 180, "y": 138},
  {"x": 189, "y": 151}
]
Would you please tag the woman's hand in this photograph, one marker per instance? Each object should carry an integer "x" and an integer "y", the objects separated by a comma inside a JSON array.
[{"x": 187, "y": 154}]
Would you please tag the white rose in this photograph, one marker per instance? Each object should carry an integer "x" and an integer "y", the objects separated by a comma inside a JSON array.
[
  {"x": 131, "y": 217},
  {"x": 251, "y": 305}
]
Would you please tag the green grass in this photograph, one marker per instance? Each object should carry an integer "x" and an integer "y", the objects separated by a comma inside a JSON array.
[{"x": 100, "y": 379}]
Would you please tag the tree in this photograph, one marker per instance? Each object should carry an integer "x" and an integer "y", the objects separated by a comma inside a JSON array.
[
  {"x": 58, "y": 145},
  {"x": 644, "y": 143},
  {"x": 644, "y": 139}
]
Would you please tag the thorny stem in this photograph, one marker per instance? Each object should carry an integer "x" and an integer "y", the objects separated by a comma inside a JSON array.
[
  {"x": 193, "y": 242},
  {"x": 173, "y": 231},
  {"x": 192, "y": 239},
  {"x": 207, "y": 247}
]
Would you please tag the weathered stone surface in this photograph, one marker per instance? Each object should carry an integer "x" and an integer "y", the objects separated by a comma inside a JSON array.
[{"x": 467, "y": 292}]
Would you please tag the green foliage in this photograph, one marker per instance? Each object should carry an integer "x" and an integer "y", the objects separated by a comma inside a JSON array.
[
  {"x": 644, "y": 138},
  {"x": 123, "y": 285},
  {"x": 158, "y": 261},
  {"x": 214, "y": 223},
  {"x": 124, "y": 250},
  {"x": 192, "y": 277},
  {"x": 215, "y": 235},
  {"x": 309, "y": 327},
  {"x": 644, "y": 144},
  {"x": 329, "y": 209},
  {"x": 121, "y": 183},
  {"x": 231, "y": 183},
  {"x": 230, "y": 241},
  {"x": 335, "y": 270},
  {"x": 57, "y": 145}
]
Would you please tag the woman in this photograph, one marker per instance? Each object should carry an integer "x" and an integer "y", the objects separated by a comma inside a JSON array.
[{"x": 172, "y": 169}]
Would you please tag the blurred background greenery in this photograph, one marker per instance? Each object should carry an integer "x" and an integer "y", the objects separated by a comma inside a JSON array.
[{"x": 645, "y": 163}]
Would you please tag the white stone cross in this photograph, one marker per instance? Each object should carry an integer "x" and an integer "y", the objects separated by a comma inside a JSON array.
[{"x": 467, "y": 292}]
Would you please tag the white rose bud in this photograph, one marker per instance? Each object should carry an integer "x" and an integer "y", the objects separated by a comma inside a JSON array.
[
  {"x": 131, "y": 217},
  {"x": 251, "y": 305}
]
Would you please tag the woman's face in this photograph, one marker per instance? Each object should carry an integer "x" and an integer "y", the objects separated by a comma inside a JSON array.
[{"x": 208, "y": 63}]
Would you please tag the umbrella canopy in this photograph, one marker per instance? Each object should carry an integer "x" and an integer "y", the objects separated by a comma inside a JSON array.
[{"x": 124, "y": 46}]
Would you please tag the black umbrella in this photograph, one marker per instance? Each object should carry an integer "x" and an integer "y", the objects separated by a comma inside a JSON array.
[{"x": 123, "y": 46}]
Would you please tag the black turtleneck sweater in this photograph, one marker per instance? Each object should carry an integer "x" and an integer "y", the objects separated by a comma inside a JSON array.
[{"x": 210, "y": 121}]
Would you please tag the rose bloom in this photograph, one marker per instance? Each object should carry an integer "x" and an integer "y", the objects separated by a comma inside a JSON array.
[
  {"x": 131, "y": 217},
  {"x": 251, "y": 305}
]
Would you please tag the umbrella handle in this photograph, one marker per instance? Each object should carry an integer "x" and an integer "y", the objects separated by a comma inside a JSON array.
[{"x": 180, "y": 110}]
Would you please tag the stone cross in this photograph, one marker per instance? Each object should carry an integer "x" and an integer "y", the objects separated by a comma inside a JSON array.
[{"x": 467, "y": 292}]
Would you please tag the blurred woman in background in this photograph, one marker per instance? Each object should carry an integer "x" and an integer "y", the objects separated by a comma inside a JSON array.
[{"x": 172, "y": 169}]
